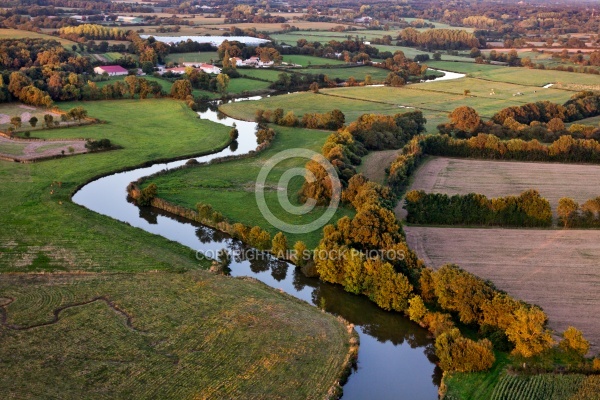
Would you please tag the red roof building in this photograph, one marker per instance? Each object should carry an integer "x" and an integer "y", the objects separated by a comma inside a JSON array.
[{"x": 111, "y": 70}]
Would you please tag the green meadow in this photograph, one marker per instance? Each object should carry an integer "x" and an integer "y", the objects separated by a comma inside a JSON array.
[{"x": 129, "y": 314}]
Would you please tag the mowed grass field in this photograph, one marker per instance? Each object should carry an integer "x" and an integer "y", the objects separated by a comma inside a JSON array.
[
  {"x": 502, "y": 178},
  {"x": 359, "y": 73},
  {"x": 276, "y": 27},
  {"x": 447, "y": 95},
  {"x": 435, "y": 99},
  {"x": 162, "y": 335},
  {"x": 523, "y": 76},
  {"x": 303, "y": 102},
  {"x": 42, "y": 230},
  {"x": 555, "y": 269},
  {"x": 19, "y": 34},
  {"x": 240, "y": 85},
  {"x": 305, "y": 61},
  {"x": 411, "y": 52},
  {"x": 268, "y": 74},
  {"x": 230, "y": 187},
  {"x": 204, "y": 57},
  {"x": 594, "y": 121}
]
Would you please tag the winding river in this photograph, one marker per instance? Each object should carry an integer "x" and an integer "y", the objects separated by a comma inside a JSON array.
[{"x": 396, "y": 357}]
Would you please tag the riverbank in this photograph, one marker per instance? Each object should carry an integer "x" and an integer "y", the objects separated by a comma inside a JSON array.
[{"x": 57, "y": 257}]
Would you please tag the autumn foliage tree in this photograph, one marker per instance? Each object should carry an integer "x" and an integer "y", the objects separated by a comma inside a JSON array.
[
  {"x": 279, "y": 245},
  {"x": 465, "y": 119},
  {"x": 457, "y": 353},
  {"x": 181, "y": 89},
  {"x": 573, "y": 340}
]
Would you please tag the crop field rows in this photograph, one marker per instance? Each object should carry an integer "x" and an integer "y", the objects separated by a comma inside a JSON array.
[{"x": 547, "y": 386}]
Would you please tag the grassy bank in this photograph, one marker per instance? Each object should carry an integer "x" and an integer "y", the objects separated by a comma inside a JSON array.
[{"x": 229, "y": 187}]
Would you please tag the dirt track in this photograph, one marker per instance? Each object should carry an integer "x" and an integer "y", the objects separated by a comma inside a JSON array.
[
  {"x": 31, "y": 150},
  {"x": 374, "y": 164},
  {"x": 556, "y": 269}
]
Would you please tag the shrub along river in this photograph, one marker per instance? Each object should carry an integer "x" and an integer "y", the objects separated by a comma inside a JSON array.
[{"x": 396, "y": 356}]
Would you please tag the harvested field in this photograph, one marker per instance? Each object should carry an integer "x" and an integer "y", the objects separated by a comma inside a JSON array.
[
  {"x": 30, "y": 150},
  {"x": 502, "y": 178},
  {"x": 162, "y": 335},
  {"x": 556, "y": 269},
  {"x": 20, "y": 34}
]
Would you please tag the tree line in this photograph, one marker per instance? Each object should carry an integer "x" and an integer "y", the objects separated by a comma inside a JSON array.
[
  {"x": 565, "y": 149},
  {"x": 92, "y": 32},
  {"x": 574, "y": 215},
  {"x": 434, "y": 299},
  {"x": 331, "y": 120},
  {"x": 528, "y": 209},
  {"x": 438, "y": 39},
  {"x": 543, "y": 120},
  {"x": 345, "y": 148}
]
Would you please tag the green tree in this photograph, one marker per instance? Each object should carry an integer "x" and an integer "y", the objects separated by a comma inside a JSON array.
[
  {"x": 16, "y": 122},
  {"x": 49, "y": 120},
  {"x": 458, "y": 290},
  {"x": 300, "y": 254},
  {"x": 528, "y": 331},
  {"x": 77, "y": 113},
  {"x": 33, "y": 121},
  {"x": 147, "y": 194},
  {"x": 355, "y": 273},
  {"x": 234, "y": 133},
  {"x": 314, "y": 87},
  {"x": 148, "y": 67},
  {"x": 457, "y": 353},
  {"x": 132, "y": 85},
  {"x": 556, "y": 125},
  {"x": 387, "y": 288}
]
